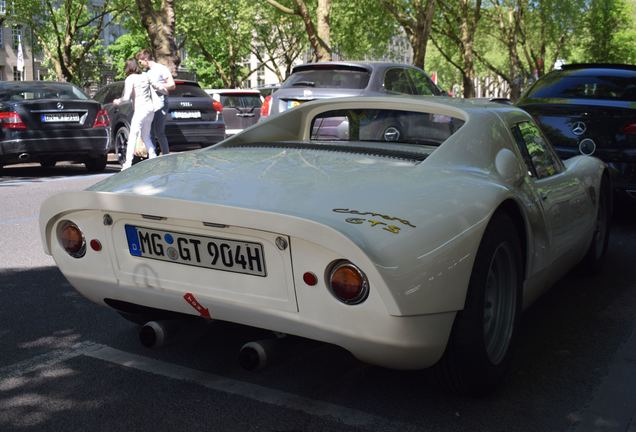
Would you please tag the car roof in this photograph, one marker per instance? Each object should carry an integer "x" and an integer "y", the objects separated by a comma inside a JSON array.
[
  {"x": 586, "y": 69},
  {"x": 233, "y": 91},
  {"x": 366, "y": 65},
  {"x": 34, "y": 83}
]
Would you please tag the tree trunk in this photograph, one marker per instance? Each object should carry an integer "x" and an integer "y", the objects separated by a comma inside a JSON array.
[{"x": 160, "y": 27}]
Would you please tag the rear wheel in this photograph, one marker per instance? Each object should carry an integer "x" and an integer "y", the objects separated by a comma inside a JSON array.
[
  {"x": 96, "y": 164},
  {"x": 595, "y": 255},
  {"x": 478, "y": 353},
  {"x": 121, "y": 142}
]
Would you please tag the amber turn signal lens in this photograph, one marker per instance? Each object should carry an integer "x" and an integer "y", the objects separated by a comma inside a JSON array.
[
  {"x": 348, "y": 283},
  {"x": 71, "y": 239}
]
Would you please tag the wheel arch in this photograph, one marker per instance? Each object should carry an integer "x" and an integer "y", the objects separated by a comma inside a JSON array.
[{"x": 511, "y": 208}]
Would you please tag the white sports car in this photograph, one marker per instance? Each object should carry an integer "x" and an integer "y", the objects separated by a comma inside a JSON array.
[{"x": 410, "y": 231}]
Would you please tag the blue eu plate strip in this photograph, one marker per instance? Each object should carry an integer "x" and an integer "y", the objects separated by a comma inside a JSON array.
[{"x": 133, "y": 240}]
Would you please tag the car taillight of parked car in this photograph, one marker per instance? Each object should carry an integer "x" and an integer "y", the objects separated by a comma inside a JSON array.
[
  {"x": 11, "y": 120},
  {"x": 101, "y": 120},
  {"x": 265, "y": 106},
  {"x": 630, "y": 129},
  {"x": 217, "y": 106}
]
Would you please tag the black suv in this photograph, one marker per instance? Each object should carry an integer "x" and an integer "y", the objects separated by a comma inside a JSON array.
[{"x": 194, "y": 119}]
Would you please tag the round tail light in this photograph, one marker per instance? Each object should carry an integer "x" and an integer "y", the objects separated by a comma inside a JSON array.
[
  {"x": 347, "y": 282},
  {"x": 71, "y": 239}
]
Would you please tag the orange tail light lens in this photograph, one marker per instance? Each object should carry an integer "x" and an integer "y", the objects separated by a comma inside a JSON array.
[
  {"x": 71, "y": 239},
  {"x": 347, "y": 282}
]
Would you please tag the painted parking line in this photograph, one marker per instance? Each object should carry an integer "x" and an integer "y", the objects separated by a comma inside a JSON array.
[
  {"x": 316, "y": 408},
  {"x": 347, "y": 416}
]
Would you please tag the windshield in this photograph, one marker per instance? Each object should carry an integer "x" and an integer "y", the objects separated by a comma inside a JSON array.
[
  {"x": 381, "y": 125},
  {"x": 585, "y": 87},
  {"x": 188, "y": 90},
  {"x": 42, "y": 91},
  {"x": 329, "y": 78}
]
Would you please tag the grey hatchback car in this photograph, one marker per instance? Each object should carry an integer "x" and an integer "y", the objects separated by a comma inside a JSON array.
[{"x": 341, "y": 79}]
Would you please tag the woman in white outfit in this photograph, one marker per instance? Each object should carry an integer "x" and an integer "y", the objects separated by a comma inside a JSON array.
[{"x": 137, "y": 87}]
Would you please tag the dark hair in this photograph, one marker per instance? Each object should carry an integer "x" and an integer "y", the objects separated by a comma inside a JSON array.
[
  {"x": 145, "y": 54},
  {"x": 131, "y": 67}
]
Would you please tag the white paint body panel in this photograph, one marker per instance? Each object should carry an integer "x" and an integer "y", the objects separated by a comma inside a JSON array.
[{"x": 415, "y": 231}]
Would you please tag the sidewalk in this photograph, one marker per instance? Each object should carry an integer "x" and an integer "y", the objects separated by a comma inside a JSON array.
[{"x": 613, "y": 408}]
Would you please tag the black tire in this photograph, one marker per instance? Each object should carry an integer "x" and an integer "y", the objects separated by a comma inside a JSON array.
[
  {"x": 479, "y": 350},
  {"x": 97, "y": 164},
  {"x": 121, "y": 143},
  {"x": 47, "y": 163},
  {"x": 595, "y": 256}
]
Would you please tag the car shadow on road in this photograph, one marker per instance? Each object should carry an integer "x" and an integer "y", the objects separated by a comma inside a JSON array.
[{"x": 35, "y": 173}]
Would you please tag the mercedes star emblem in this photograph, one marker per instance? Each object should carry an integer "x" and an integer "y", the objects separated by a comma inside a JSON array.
[
  {"x": 579, "y": 128},
  {"x": 60, "y": 106}
]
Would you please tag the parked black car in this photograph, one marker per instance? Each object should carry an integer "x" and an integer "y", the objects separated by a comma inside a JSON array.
[
  {"x": 47, "y": 122},
  {"x": 340, "y": 79},
  {"x": 590, "y": 109},
  {"x": 194, "y": 120}
]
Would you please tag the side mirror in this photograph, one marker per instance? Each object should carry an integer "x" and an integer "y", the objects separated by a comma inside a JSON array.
[{"x": 509, "y": 167}]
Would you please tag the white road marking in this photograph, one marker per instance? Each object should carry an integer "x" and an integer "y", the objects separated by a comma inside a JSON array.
[
  {"x": 46, "y": 360},
  {"x": 347, "y": 416}
]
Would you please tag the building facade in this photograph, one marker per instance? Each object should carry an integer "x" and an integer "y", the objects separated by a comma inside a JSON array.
[{"x": 13, "y": 37}]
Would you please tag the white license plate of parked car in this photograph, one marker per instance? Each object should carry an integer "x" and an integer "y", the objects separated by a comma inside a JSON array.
[
  {"x": 186, "y": 114},
  {"x": 195, "y": 250},
  {"x": 60, "y": 118}
]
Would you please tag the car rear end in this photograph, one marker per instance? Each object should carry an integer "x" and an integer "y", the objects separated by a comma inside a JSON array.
[
  {"x": 590, "y": 111},
  {"x": 241, "y": 108},
  {"x": 193, "y": 120},
  {"x": 267, "y": 270},
  {"x": 318, "y": 81},
  {"x": 49, "y": 122}
]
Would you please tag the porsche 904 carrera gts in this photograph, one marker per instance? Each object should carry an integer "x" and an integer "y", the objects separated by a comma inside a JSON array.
[{"x": 410, "y": 231}]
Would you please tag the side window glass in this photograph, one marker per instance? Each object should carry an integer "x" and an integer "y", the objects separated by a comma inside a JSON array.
[
  {"x": 99, "y": 96},
  {"x": 423, "y": 85},
  {"x": 538, "y": 154},
  {"x": 397, "y": 81}
]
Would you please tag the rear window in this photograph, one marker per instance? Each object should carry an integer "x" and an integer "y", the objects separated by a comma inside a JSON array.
[
  {"x": 188, "y": 90},
  {"x": 47, "y": 91},
  {"x": 238, "y": 100},
  {"x": 585, "y": 87},
  {"x": 386, "y": 126},
  {"x": 328, "y": 78}
]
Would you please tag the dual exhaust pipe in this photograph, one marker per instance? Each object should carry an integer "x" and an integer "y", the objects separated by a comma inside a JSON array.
[{"x": 252, "y": 356}]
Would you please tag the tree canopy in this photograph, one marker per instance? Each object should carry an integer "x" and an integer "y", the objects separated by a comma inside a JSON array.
[{"x": 514, "y": 40}]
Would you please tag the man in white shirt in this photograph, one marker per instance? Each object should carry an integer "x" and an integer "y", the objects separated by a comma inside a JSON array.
[{"x": 162, "y": 81}]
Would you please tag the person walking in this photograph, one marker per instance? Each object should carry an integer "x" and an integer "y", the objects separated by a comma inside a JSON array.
[
  {"x": 162, "y": 81},
  {"x": 137, "y": 86}
]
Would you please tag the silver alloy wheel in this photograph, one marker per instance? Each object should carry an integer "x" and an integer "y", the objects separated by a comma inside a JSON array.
[
  {"x": 121, "y": 142},
  {"x": 500, "y": 303}
]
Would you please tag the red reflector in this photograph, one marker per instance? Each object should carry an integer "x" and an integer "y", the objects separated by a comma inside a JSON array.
[
  {"x": 217, "y": 106},
  {"x": 265, "y": 106},
  {"x": 630, "y": 129},
  {"x": 101, "y": 120},
  {"x": 96, "y": 245},
  {"x": 11, "y": 120},
  {"x": 310, "y": 279}
]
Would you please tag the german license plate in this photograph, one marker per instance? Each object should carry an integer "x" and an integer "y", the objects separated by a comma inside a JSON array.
[
  {"x": 60, "y": 118},
  {"x": 186, "y": 114},
  {"x": 195, "y": 250}
]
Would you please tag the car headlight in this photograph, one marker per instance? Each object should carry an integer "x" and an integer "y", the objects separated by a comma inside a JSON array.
[{"x": 347, "y": 282}]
